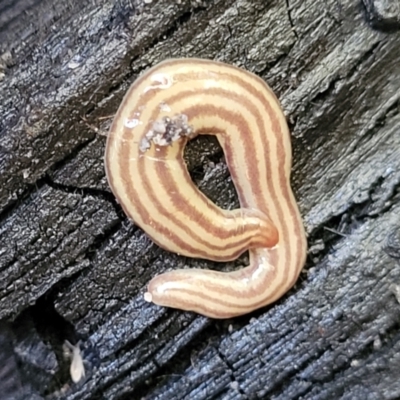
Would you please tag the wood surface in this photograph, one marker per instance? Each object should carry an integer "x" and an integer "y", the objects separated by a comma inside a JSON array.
[{"x": 73, "y": 267}]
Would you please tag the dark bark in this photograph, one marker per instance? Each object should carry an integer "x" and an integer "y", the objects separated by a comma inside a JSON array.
[{"x": 74, "y": 268}]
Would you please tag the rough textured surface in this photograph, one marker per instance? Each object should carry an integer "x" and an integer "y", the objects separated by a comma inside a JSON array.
[{"x": 72, "y": 267}]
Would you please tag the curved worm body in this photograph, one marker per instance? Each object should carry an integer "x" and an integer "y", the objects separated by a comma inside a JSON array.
[{"x": 171, "y": 103}]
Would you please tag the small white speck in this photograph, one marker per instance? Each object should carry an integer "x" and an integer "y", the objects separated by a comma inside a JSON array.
[
  {"x": 148, "y": 297},
  {"x": 395, "y": 289},
  {"x": 75, "y": 62},
  {"x": 165, "y": 107},
  {"x": 164, "y": 82},
  {"x": 387, "y": 172},
  {"x": 355, "y": 363},
  {"x": 377, "y": 343},
  {"x": 131, "y": 123},
  {"x": 144, "y": 145},
  {"x": 6, "y": 57},
  {"x": 73, "y": 65}
]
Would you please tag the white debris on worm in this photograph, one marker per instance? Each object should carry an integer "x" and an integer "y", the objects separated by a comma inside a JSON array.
[{"x": 166, "y": 131}]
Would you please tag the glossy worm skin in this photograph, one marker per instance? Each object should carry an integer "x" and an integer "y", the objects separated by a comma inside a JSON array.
[{"x": 155, "y": 190}]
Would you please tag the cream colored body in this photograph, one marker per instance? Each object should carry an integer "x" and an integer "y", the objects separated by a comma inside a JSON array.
[{"x": 155, "y": 190}]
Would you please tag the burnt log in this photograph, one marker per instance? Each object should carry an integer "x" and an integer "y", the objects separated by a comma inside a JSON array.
[{"x": 73, "y": 267}]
